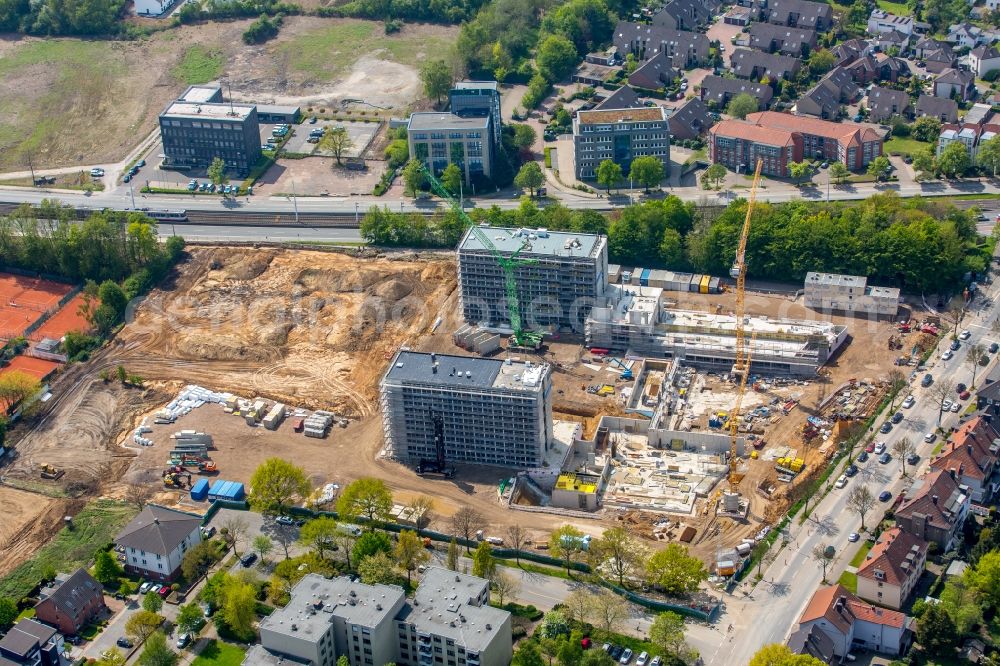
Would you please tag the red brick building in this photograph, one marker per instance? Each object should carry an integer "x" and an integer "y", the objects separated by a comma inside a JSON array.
[
  {"x": 71, "y": 602},
  {"x": 780, "y": 138}
]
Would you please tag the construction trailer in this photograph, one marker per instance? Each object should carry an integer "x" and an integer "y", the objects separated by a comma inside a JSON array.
[
  {"x": 199, "y": 491},
  {"x": 230, "y": 491}
]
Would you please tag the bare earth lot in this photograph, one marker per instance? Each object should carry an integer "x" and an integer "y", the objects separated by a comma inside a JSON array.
[{"x": 70, "y": 101}]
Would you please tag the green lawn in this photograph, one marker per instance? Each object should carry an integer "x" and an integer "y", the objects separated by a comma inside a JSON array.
[
  {"x": 217, "y": 653},
  {"x": 850, "y": 581},
  {"x": 904, "y": 146},
  {"x": 897, "y": 8},
  {"x": 859, "y": 556},
  {"x": 93, "y": 528},
  {"x": 199, "y": 65},
  {"x": 330, "y": 50}
]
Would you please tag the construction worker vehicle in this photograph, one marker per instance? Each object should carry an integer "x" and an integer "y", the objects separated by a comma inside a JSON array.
[{"x": 51, "y": 472}]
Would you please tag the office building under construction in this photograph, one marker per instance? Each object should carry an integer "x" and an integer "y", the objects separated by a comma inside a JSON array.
[
  {"x": 487, "y": 411},
  {"x": 636, "y": 321}
]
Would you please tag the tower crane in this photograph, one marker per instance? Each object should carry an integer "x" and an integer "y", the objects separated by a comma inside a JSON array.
[
  {"x": 522, "y": 337},
  {"x": 743, "y": 350}
]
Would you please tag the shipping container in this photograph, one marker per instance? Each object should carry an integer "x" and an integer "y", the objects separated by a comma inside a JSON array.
[
  {"x": 614, "y": 273},
  {"x": 695, "y": 283},
  {"x": 703, "y": 287},
  {"x": 199, "y": 491},
  {"x": 658, "y": 278},
  {"x": 715, "y": 286},
  {"x": 644, "y": 278},
  {"x": 235, "y": 492},
  {"x": 636, "y": 276}
]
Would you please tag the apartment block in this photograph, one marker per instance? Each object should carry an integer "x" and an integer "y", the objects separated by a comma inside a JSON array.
[
  {"x": 478, "y": 98},
  {"x": 439, "y": 139},
  {"x": 566, "y": 275},
  {"x": 619, "y": 135},
  {"x": 850, "y": 294},
  {"x": 487, "y": 411},
  {"x": 195, "y": 133},
  {"x": 892, "y": 568},
  {"x": 449, "y": 621}
]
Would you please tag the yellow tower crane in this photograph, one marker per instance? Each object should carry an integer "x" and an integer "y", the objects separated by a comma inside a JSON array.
[{"x": 743, "y": 353}]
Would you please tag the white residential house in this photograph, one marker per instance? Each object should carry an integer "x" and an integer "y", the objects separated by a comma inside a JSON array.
[
  {"x": 850, "y": 622},
  {"x": 881, "y": 21},
  {"x": 155, "y": 541},
  {"x": 983, "y": 59},
  {"x": 965, "y": 35}
]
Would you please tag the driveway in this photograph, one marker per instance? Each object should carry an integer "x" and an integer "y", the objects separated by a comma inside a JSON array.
[{"x": 723, "y": 33}]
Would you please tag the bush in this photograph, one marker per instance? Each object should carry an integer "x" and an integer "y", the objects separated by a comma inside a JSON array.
[
  {"x": 263, "y": 29},
  {"x": 393, "y": 25},
  {"x": 991, "y": 75}
]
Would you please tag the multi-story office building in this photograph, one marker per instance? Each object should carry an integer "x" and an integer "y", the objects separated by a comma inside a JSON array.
[
  {"x": 449, "y": 622},
  {"x": 439, "y": 139},
  {"x": 566, "y": 274},
  {"x": 620, "y": 135},
  {"x": 478, "y": 98},
  {"x": 194, "y": 133},
  {"x": 828, "y": 292},
  {"x": 486, "y": 411}
]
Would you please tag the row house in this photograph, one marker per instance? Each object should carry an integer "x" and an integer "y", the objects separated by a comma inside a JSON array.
[
  {"x": 800, "y": 14},
  {"x": 892, "y": 568},
  {"x": 684, "y": 49},
  {"x": 824, "y": 100},
  {"x": 782, "y": 39},
  {"x": 853, "y": 624},
  {"x": 755, "y": 65},
  {"x": 934, "y": 508},
  {"x": 683, "y": 15},
  {"x": 717, "y": 91},
  {"x": 971, "y": 452}
]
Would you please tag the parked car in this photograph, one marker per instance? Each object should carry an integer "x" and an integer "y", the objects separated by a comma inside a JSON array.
[
  {"x": 959, "y": 387},
  {"x": 208, "y": 531},
  {"x": 312, "y": 120},
  {"x": 886, "y": 427},
  {"x": 284, "y": 520},
  {"x": 930, "y": 437},
  {"x": 141, "y": 163},
  {"x": 884, "y": 496},
  {"x": 248, "y": 560},
  {"x": 824, "y": 165},
  {"x": 73, "y": 639},
  {"x": 127, "y": 178},
  {"x": 964, "y": 395},
  {"x": 626, "y": 656},
  {"x": 863, "y": 456},
  {"x": 955, "y": 406},
  {"x": 123, "y": 642},
  {"x": 642, "y": 659},
  {"x": 144, "y": 588},
  {"x": 927, "y": 380},
  {"x": 183, "y": 641},
  {"x": 909, "y": 402},
  {"x": 851, "y": 470},
  {"x": 946, "y": 405},
  {"x": 192, "y": 186},
  {"x": 164, "y": 592},
  {"x": 657, "y": 661},
  {"x": 880, "y": 448},
  {"x": 897, "y": 417},
  {"x": 97, "y": 172},
  {"x": 965, "y": 335},
  {"x": 947, "y": 355},
  {"x": 853, "y": 536},
  {"x": 994, "y": 347},
  {"x": 841, "y": 481},
  {"x": 885, "y": 458},
  {"x": 955, "y": 345},
  {"x": 912, "y": 459},
  {"x": 606, "y": 647}
]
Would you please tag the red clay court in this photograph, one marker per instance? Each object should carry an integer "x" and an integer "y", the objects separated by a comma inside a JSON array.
[
  {"x": 67, "y": 319},
  {"x": 36, "y": 367},
  {"x": 23, "y": 300}
]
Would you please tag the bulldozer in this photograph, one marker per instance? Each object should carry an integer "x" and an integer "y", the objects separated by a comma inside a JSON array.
[{"x": 50, "y": 472}]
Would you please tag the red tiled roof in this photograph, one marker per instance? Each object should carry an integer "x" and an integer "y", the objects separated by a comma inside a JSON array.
[
  {"x": 876, "y": 615},
  {"x": 935, "y": 484},
  {"x": 824, "y": 605},
  {"x": 968, "y": 450},
  {"x": 806, "y": 125},
  {"x": 889, "y": 555},
  {"x": 750, "y": 132}
]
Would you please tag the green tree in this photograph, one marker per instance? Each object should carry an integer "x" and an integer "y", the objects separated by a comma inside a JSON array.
[
  {"x": 156, "y": 652},
  {"x": 376, "y": 569},
  {"x": 839, "y": 172},
  {"x": 342, "y": 660},
  {"x": 217, "y": 172},
  {"x": 984, "y": 577},
  {"x": 566, "y": 543},
  {"x": 239, "y": 606},
  {"x": 410, "y": 552},
  {"x": 799, "y": 170},
  {"x": 366, "y": 497},
  {"x": 336, "y": 141},
  {"x": 530, "y": 177},
  {"x": 8, "y": 612},
  {"x": 742, "y": 105},
  {"x": 189, "y": 618},
  {"x": 989, "y": 155},
  {"x": 596, "y": 658},
  {"x": 713, "y": 176},
  {"x": 776, "y": 654},
  {"x": 484, "y": 564},
  {"x": 674, "y": 571},
  {"x": 556, "y": 57},
  {"x": 106, "y": 568},
  {"x": 114, "y": 297},
  {"x": 879, "y": 167},
  {"x": 524, "y": 136},
  {"x": 821, "y": 61},
  {"x": 936, "y": 631},
  {"x": 453, "y": 555},
  {"x": 197, "y": 559},
  {"x": 437, "y": 78},
  {"x": 320, "y": 534},
  {"x": 667, "y": 633},
  {"x": 112, "y": 657},
  {"x": 370, "y": 543},
  {"x": 954, "y": 160},
  {"x": 152, "y": 602},
  {"x": 609, "y": 174},
  {"x": 924, "y": 163},
  {"x": 141, "y": 624},
  {"x": 414, "y": 177},
  {"x": 275, "y": 483},
  {"x": 451, "y": 178},
  {"x": 527, "y": 655},
  {"x": 263, "y": 545},
  {"x": 926, "y": 128},
  {"x": 466, "y": 522},
  {"x": 647, "y": 170},
  {"x": 618, "y": 553}
]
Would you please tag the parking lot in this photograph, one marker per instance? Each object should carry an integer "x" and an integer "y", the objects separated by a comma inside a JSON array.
[{"x": 360, "y": 134}]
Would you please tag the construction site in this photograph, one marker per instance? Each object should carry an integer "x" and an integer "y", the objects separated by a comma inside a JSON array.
[{"x": 241, "y": 339}]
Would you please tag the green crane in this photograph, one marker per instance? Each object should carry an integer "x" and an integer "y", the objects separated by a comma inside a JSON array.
[{"x": 522, "y": 337}]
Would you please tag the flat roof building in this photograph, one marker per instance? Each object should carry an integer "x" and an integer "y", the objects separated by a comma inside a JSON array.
[
  {"x": 486, "y": 411},
  {"x": 850, "y": 294},
  {"x": 438, "y": 139},
  {"x": 449, "y": 621},
  {"x": 194, "y": 133},
  {"x": 620, "y": 135}
]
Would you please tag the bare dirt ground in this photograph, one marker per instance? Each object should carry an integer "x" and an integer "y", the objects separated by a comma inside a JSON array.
[
  {"x": 28, "y": 523},
  {"x": 316, "y": 175}
]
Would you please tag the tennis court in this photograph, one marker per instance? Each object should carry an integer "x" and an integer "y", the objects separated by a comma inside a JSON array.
[
  {"x": 67, "y": 319},
  {"x": 38, "y": 368},
  {"x": 23, "y": 300}
]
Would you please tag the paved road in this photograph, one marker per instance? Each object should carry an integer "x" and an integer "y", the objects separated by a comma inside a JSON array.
[{"x": 772, "y": 608}]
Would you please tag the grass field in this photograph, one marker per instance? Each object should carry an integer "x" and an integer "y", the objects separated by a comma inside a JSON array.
[
  {"x": 200, "y": 65},
  {"x": 859, "y": 556},
  {"x": 93, "y": 527},
  {"x": 897, "y": 8},
  {"x": 904, "y": 146},
  {"x": 327, "y": 52},
  {"x": 217, "y": 653}
]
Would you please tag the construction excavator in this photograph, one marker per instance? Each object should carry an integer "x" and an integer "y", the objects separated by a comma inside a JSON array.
[
  {"x": 51, "y": 473},
  {"x": 741, "y": 368}
]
